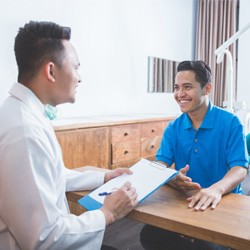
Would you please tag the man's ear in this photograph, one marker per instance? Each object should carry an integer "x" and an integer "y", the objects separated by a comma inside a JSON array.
[
  {"x": 208, "y": 88},
  {"x": 50, "y": 71}
]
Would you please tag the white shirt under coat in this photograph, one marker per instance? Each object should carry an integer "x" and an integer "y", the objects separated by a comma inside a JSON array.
[{"x": 34, "y": 212}]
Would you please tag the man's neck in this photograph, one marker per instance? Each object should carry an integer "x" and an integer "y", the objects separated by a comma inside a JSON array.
[{"x": 198, "y": 115}]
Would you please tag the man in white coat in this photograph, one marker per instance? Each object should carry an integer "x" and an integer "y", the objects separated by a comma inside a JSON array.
[{"x": 34, "y": 212}]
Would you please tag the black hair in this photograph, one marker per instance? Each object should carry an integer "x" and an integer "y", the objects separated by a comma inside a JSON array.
[
  {"x": 37, "y": 43},
  {"x": 201, "y": 69}
]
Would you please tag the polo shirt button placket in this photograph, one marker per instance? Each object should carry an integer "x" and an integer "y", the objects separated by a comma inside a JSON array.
[{"x": 196, "y": 150}]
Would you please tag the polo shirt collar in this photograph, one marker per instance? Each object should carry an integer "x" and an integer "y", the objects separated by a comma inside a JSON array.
[{"x": 208, "y": 121}]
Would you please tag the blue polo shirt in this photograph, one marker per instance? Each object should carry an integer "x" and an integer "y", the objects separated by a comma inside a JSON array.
[{"x": 218, "y": 145}]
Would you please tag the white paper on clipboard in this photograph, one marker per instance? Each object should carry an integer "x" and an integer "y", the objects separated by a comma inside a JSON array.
[{"x": 147, "y": 177}]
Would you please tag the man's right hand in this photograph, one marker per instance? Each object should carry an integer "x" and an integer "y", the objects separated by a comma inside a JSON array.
[
  {"x": 184, "y": 183},
  {"x": 118, "y": 204}
]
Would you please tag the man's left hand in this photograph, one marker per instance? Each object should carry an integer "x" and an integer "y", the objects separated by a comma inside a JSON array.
[
  {"x": 116, "y": 172},
  {"x": 205, "y": 198}
]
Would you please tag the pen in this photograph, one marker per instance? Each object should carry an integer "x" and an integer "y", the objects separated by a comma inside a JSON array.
[
  {"x": 104, "y": 193},
  {"x": 107, "y": 192}
]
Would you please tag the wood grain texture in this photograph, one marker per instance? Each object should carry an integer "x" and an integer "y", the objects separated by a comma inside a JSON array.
[
  {"x": 83, "y": 147},
  {"x": 227, "y": 225},
  {"x": 110, "y": 145}
]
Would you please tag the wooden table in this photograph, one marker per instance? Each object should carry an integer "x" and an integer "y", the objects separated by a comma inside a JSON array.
[{"x": 228, "y": 224}]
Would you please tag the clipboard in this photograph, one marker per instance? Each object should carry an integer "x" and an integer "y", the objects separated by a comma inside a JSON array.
[{"x": 147, "y": 177}]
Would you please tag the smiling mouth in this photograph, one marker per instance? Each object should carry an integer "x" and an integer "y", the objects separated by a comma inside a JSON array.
[{"x": 183, "y": 101}]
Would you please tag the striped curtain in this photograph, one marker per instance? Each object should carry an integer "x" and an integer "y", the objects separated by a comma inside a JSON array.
[
  {"x": 161, "y": 75},
  {"x": 216, "y": 22}
]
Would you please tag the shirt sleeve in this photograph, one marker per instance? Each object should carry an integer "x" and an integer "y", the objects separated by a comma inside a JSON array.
[
  {"x": 165, "y": 152},
  {"x": 33, "y": 203},
  {"x": 86, "y": 180},
  {"x": 236, "y": 148},
  {"x": 248, "y": 146}
]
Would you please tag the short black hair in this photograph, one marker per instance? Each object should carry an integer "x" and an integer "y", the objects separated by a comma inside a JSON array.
[
  {"x": 36, "y": 43},
  {"x": 201, "y": 69}
]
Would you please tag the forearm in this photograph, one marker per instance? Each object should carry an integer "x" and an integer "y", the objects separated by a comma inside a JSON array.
[
  {"x": 84, "y": 180},
  {"x": 232, "y": 178}
]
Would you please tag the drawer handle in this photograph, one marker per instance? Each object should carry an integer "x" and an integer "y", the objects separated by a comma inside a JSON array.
[
  {"x": 126, "y": 152},
  {"x": 125, "y": 134},
  {"x": 153, "y": 130}
]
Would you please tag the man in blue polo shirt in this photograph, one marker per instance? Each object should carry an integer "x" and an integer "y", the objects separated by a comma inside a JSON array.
[{"x": 207, "y": 146}]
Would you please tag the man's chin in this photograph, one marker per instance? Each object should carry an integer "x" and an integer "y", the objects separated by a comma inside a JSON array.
[
  {"x": 184, "y": 110},
  {"x": 72, "y": 100}
]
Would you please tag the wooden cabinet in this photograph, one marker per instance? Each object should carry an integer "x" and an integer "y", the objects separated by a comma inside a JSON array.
[
  {"x": 110, "y": 144},
  {"x": 151, "y": 138},
  {"x": 89, "y": 146},
  {"x": 125, "y": 144}
]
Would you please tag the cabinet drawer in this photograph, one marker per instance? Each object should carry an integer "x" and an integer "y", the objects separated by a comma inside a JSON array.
[
  {"x": 152, "y": 129},
  {"x": 149, "y": 146},
  {"x": 125, "y": 151},
  {"x": 125, "y": 133}
]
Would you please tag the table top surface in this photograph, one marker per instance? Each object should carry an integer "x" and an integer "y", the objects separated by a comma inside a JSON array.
[{"x": 228, "y": 224}]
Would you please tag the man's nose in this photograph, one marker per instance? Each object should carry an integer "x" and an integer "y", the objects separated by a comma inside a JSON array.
[{"x": 181, "y": 92}]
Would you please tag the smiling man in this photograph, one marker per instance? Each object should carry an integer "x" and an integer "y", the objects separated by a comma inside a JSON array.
[{"x": 207, "y": 146}]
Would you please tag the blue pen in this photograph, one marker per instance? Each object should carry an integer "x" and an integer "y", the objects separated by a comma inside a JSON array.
[
  {"x": 107, "y": 192},
  {"x": 104, "y": 193}
]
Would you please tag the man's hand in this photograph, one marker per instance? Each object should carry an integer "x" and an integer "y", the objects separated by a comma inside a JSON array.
[
  {"x": 184, "y": 183},
  {"x": 116, "y": 172},
  {"x": 204, "y": 198},
  {"x": 212, "y": 195},
  {"x": 119, "y": 203}
]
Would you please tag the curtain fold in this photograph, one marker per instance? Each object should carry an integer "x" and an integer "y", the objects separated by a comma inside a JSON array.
[
  {"x": 216, "y": 22},
  {"x": 161, "y": 75}
]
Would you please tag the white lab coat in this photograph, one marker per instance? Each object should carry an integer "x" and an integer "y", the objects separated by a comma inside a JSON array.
[{"x": 34, "y": 211}]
